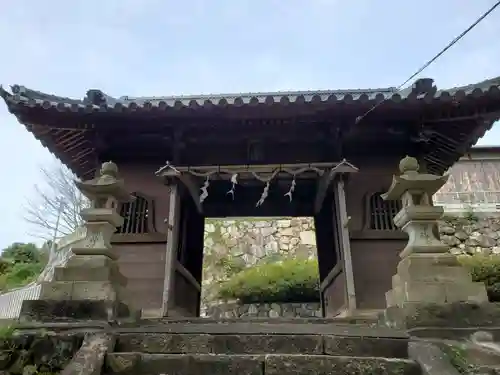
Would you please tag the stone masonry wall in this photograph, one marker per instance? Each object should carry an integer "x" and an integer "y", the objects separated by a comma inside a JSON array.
[
  {"x": 232, "y": 245},
  {"x": 471, "y": 234},
  {"x": 264, "y": 310}
]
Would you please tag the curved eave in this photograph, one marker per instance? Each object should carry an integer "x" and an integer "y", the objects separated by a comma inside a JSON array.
[
  {"x": 443, "y": 156},
  {"x": 76, "y": 147},
  {"x": 73, "y": 147},
  {"x": 33, "y": 99}
]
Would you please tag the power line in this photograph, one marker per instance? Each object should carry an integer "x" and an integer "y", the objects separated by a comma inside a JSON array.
[{"x": 423, "y": 67}]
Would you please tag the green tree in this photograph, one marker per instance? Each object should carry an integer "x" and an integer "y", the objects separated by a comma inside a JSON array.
[
  {"x": 20, "y": 252},
  {"x": 5, "y": 266},
  {"x": 20, "y": 264}
]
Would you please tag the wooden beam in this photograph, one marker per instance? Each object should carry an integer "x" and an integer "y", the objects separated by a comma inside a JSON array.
[
  {"x": 476, "y": 116},
  {"x": 82, "y": 154},
  {"x": 237, "y": 138},
  {"x": 76, "y": 145},
  {"x": 171, "y": 171},
  {"x": 325, "y": 181},
  {"x": 71, "y": 141},
  {"x": 434, "y": 160}
]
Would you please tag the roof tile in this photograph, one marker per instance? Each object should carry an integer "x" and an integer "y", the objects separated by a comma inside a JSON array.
[{"x": 96, "y": 100}]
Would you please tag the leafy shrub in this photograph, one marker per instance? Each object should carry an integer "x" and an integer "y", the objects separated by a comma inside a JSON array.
[
  {"x": 20, "y": 274},
  {"x": 293, "y": 280},
  {"x": 20, "y": 264},
  {"x": 230, "y": 266},
  {"x": 485, "y": 268}
]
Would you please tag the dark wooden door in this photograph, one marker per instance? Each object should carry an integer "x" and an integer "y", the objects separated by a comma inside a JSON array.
[
  {"x": 332, "y": 280},
  {"x": 189, "y": 258}
]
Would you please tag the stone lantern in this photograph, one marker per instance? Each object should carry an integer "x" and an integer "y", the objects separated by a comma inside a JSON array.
[
  {"x": 106, "y": 194},
  {"x": 419, "y": 216},
  {"x": 90, "y": 285},
  {"x": 427, "y": 272}
]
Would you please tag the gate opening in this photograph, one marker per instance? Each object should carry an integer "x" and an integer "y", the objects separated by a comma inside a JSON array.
[{"x": 260, "y": 267}]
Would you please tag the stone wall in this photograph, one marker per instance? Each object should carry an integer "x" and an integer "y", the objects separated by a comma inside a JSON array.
[
  {"x": 28, "y": 353},
  {"x": 232, "y": 245},
  {"x": 264, "y": 310},
  {"x": 471, "y": 234}
]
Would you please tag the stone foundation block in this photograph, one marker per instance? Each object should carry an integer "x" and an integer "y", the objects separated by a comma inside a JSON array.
[
  {"x": 437, "y": 274},
  {"x": 95, "y": 290},
  {"x": 419, "y": 291},
  {"x": 151, "y": 313},
  {"x": 432, "y": 268},
  {"x": 168, "y": 343},
  {"x": 466, "y": 292},
  {"x": 435, "y": 292},
  {"x": 389, "y": 299},
  {"x": 80, "y": 290},
  {"x": 451, "y": 315},
  {"x": 341, "y": 365},
  {"x": 56, "y": 290},
  {"x": 90, "y": 261},
  {"x": 433, "y": 278},
  {"x": 108, "y": 274},
  {"x": 50, "y": 311},
  {"x": 357, "y": 346},
  {"x": 174, "y": 364}
]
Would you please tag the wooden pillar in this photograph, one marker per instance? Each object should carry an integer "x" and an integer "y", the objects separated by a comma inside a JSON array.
[
  {"x": 345, "y": 244},
  {"x": 171, "y": 248}
]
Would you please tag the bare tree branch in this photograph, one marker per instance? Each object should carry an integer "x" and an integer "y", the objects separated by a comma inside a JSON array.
[{"x": 56, "y": 197}]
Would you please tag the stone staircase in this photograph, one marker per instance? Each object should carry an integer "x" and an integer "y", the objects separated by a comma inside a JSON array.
[{"x": 258, "y": 347}]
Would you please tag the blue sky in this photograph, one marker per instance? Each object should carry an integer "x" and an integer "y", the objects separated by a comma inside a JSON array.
[{"x": 162, "y": 47}]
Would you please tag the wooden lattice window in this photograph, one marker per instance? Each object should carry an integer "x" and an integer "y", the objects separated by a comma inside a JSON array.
[
  {"x": 381, "y": 212},
  {"x": 138, "y": 216}
]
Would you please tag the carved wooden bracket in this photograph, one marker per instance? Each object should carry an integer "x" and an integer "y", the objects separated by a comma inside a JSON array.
[
  {"x": 326, "y": 179},
  {"x": 191, "y": 182},
  {"x": 193, "y": 186}
]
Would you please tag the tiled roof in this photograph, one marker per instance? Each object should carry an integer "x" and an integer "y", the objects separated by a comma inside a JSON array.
[
  {"x": 74, "y": 143},
  {"x": 96, "y": 100}
]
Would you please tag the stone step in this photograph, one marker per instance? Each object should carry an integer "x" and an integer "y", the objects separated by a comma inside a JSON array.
[
  {"x": 167, "y": 343},
  {"x": 345, "y": 319},
  {"x": 262, "y": 326},
  {"x": 272, "y": 364}
]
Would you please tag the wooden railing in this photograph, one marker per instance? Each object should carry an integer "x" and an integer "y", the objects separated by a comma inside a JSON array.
[
  {"x": 186, "y": 292},
  {"x": 187, "y": 275},
  {"x": 328, "y": 290}
]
